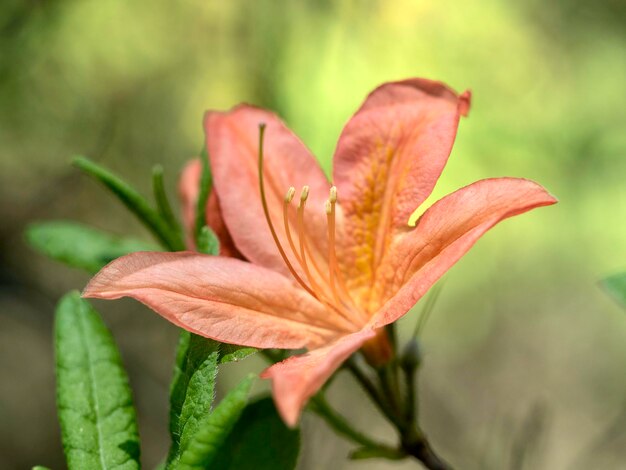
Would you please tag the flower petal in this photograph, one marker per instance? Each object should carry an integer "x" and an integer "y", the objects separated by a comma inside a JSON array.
[
  {"x": 445, "y": 232},
  {"x": 189, "y": 189},
  {"x": 298, "y": 378},
  {"x": 233, "y": 145},
  {"x": 221, "y": 298},
  {"x": 388, "y": 159}
]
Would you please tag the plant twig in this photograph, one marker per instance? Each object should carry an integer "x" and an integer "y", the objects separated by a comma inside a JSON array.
[
  {"x": 319, "y": 405},
  {"x": 379, "y": 400}
]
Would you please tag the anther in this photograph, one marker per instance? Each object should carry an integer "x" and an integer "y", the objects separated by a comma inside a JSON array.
[
  {"x": 304, "y": 195},
  {"x": 290, "y": 194},
  {"x": 328, "y": 207},
  {"x": 333, "y": 195}
]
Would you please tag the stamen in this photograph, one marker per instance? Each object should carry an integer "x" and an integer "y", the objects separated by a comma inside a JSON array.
[
  {"x": 303, "y": 243},
  {"x": 333, "y": 195},
  {"x": 269, "y": 220},
  {"x": 332, "y": 254},
  {"x": 310, "y": 257},
  {"x": 334, "y": 272},
  {"x": 290, "y": 194},
  {"x": 304, "y": 195},
  {"x": 288, "y": 198}
]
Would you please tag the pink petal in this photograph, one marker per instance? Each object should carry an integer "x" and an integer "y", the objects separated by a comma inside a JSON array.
[
  {"x": 221, "y": 298},
  {"x": 445, "y": 232},
  {"x": 298, "y": 378},
  {"x": 189, "y": 189},
  {"x": 233, "y": 145},
  {"x": 388, "y": 159}
]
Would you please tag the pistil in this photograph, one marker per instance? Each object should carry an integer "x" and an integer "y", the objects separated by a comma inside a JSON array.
[
  {"x": 329, "y": 288},
  {"x": 269, "y": 220}
]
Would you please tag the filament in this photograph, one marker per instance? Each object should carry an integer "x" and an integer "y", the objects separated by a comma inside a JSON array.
[
  {"x": 334, "y": 272},
  {"x": 303, "y": 243}
]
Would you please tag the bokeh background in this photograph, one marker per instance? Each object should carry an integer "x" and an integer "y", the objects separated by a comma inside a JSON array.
[{"x": 524, "y": 354}]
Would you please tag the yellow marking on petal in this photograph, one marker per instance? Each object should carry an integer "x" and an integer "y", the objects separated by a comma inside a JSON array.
[{"x": 370, "y": 219}]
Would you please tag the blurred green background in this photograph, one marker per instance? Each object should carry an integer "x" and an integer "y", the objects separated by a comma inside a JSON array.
[{"x": 524, "y": 355}]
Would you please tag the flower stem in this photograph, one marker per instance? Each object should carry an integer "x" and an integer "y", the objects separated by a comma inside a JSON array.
[
  {"x": 379, "y": 400},
  {"x": 320, "y": 406},
  {"x": 404, "y": 418},
  {"x": 422, "y": 451}
]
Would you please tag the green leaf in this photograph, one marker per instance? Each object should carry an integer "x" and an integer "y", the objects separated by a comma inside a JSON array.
[
  {"x": 206, "y": 184},
  {"x": 81, "y": 246},
  {"x": 96, "y": 413},
  {"x": 40, "y": 467},
  {"x": 181, "y": 356},
  {"x": 207, "y": 242},
  {"x": 193, "y": 384},
  {"x": 234, "y": 353},
  {"x": 259, "y": 441},
  {"x": 150, "y": 217},
  {"x": 616, "y": 286},
  {"x": 193, "y": 388},
  {"x": 162, "y": 201},
  {"x": 199, "y": 452}
]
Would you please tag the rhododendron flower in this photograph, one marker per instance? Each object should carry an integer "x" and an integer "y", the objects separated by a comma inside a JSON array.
[{"x": 324, "y": 267}]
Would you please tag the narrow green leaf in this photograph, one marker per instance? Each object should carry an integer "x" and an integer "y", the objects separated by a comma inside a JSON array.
[
  {"x": 207, "y": 242},
  {"x": 234, "y": 353},
  {"x": 96, "y": 413},
  {"x": 161, "y": 199},
  {"x": 199, "y": 452},
  {"x": 134, "y": 202},
  {"x": 40, "y": 467},
  {"x": 193, "y": 389},
  {"x": 181, "y": 356},
  {"x": 81, "y": 246},
  {"x": 206, "y": 184},
  {"x": 616, "y": 286},
  {"x": 259, "y": 441}
]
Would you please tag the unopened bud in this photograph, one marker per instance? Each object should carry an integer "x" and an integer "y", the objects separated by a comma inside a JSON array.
[{"x": 411, "y": 357}]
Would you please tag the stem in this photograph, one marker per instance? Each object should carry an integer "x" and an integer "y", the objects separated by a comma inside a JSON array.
[
  {"x": 392, "y": 393},
  {"x": 320, "y": 406},
  {"x": 373, "y": 393},
  {"x": 413, "y": 442},
  {"x": 422, "y": 451},
  {"x": 411, "y": 399}
]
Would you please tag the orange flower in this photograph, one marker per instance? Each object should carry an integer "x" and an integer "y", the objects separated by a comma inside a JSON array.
[{"x": 327, "y": 268}]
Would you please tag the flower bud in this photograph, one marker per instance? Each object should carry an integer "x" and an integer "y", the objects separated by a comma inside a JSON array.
[{"x": 411, "y": 357}]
